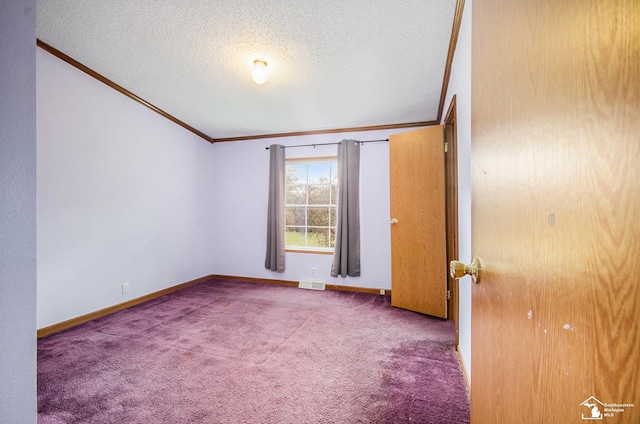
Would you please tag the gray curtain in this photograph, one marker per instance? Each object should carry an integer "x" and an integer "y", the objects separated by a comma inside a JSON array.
[
  {"x": 346, "y": 255},
  {"x": 274, "y": 259}
]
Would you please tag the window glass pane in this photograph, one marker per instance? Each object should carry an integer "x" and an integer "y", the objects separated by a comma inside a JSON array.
[
  {"x": 319, "y": 194},
  {"x": 317, "y": 217},
  {"x": 294, "y": 215},
  {"x": 333, "y": 237},
  {"x": 295, "y": 236},
  {"x": 332, "y": 217},
  {"x": 295, "y": 194},
  {"x": 334, "y": 194},
  {"x": 318, "y": 237},
  {"x": 295, "y": 174},
  {"x": 310, "y": 203},
  {"x": 319, "y": 173},
  {"x": 334, "y": 173}
]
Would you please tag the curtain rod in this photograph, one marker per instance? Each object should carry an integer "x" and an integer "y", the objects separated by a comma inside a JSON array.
[{"x": 327, "y": 144}]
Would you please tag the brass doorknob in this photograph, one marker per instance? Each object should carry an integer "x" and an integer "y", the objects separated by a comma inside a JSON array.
[{"x": 458, "y": 269}]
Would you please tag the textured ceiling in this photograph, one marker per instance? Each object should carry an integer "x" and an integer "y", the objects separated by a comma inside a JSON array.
[{"x": 333, "y": 63}]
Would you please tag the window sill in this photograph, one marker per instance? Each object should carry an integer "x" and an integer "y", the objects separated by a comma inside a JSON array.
[{"x": 317, "y": 252}]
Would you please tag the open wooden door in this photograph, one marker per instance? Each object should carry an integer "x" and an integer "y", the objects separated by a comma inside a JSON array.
[
  {"x": 418, "y": 229},
  {"x": 556, "y": 211}
]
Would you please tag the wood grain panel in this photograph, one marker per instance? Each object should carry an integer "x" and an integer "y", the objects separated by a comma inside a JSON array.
[
  {"x": 330, "y": 131},
  {"x": 556, "y": 206},
  {"x": 73, "y": 322},
  {"x": 290, "y": 283},
  {"x": 455, "y": 30},
  {"x": 418, "y": 240}
]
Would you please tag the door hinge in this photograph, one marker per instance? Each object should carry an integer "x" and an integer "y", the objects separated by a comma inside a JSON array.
[
  {"x": 446, "y": 147},
  {"x": 448, "y": 294}
]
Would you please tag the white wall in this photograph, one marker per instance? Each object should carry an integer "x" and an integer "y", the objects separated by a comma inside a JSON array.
[
  {"x": 241, "y": 186},
  {"x": 124, "y": 195},
  {"x": 127, "y": 196},
  {"x": 17, "y": 212},
  {"x": 460, "y": 86}
]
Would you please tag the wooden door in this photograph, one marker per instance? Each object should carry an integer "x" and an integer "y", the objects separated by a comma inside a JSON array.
[
  {"x": 555, "y": 211},
  {"x": 418, "y": 239}
]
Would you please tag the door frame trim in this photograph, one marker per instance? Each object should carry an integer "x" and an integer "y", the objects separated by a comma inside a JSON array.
[{"x": 451, "y": 208}]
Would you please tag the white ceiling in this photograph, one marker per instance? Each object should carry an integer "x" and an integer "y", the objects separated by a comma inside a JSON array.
[{"x": 333, "y": 63}]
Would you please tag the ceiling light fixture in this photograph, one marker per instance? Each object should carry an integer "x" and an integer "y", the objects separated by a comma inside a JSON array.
[{"x": 259, "y": 72}]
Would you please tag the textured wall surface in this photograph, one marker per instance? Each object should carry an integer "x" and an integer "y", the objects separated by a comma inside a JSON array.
[
  {"x": 124, "y": 196},
  {"x": 241, "y": 178},
  {"x": 17, "y": 212}
]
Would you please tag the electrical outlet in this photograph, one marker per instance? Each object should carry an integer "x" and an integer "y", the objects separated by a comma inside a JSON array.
[
  {"x": 313, "y": 270},
  {"x": 125, "y": 288},
  {"x": 382, "y": 291}
]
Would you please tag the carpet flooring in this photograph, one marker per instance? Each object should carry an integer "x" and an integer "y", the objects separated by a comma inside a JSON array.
[{"x": 243, "y": 352}]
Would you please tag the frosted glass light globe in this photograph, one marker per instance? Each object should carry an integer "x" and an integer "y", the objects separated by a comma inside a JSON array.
[{"x": 259, "y": 73}]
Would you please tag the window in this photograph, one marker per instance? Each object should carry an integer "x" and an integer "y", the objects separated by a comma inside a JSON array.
[{"x": 311, "y": 195}]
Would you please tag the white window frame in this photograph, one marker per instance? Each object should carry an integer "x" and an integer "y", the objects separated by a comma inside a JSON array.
[{"x": 332, "y": 204}]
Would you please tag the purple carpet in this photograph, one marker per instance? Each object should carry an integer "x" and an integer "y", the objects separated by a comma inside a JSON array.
[{"x": 235, "y": 352}]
